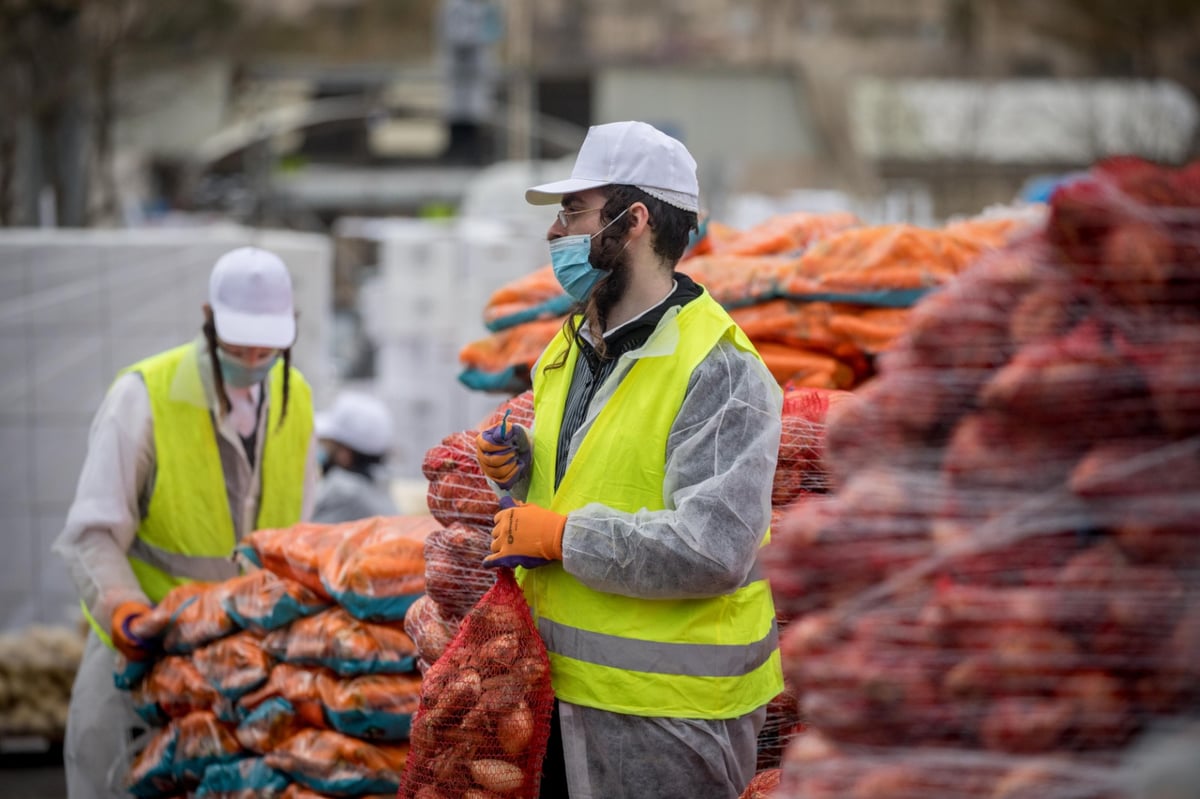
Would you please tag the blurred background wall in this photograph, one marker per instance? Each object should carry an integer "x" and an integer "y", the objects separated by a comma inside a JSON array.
[{"x": 295, "y": 112}]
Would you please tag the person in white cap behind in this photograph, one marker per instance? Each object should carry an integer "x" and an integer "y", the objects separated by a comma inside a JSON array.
[
  {"x": 190, "y": 451},
  {"x": 644, "y": 493},
  {"x": 355, "y": 435}
]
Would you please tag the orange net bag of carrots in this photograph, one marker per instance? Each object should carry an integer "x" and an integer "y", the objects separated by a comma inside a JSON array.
[
  {"x": 536, "y": 296},
  {"x": 296, "y": 552},
  {"x": 786, "y": 233},
  {"x": 173, "y": 688},
  {"x": 333, "y": 764},
  {"x": 378, "y": 569},
  {"x": 513, "y": 349},
  {"x": 484, "y": 715}
]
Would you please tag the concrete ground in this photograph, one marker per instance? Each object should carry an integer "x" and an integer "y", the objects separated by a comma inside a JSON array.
[{"x": 32, "y": 775}]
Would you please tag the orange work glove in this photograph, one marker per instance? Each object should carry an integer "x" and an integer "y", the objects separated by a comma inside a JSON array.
[
  {"x": 126, "y": 642},
  {"x": 503, "y": 454},
  {"x": 526, "y": 535}
]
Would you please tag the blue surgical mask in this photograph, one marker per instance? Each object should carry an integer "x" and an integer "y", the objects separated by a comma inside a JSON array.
[
  {"x": 237, "y": 374},
  {"x": 569, "y": 256}
]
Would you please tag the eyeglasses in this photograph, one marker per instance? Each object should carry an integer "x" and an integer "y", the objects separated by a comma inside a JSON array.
[{"x": 563, "y": 214}]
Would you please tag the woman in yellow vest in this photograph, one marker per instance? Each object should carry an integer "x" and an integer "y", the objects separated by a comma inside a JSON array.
[
  {"x": 191, "y": 450},
  {"x": 643, "y": 493}
]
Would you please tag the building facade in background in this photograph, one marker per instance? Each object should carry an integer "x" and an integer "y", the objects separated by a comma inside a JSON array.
[{"x": 329, "y": 107}]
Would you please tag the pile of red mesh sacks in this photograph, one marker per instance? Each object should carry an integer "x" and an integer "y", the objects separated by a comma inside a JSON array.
[{"x": 1001, "y": 595}]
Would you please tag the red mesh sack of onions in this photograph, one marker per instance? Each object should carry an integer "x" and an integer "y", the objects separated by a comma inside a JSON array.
[
  {"x": 519, "y": 410},
  {"x": 431, "y": 630},
  {"x": 1001, "y": 596},
  {"x": 455, "y": 576},
  {"x": 484, "y": 716},
  {"x": 800, "y": 473},
  {"x": 458, "y": 491}
]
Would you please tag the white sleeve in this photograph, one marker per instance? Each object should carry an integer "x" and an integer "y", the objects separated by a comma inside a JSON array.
[
  {"x": 103, "y": 520},
  {"x": 312, "y": 478}
]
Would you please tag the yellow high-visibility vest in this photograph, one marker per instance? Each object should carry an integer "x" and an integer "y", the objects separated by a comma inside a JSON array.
[
  {"x": 712, "y": 658},
  {"x": 188, "y": 533}
]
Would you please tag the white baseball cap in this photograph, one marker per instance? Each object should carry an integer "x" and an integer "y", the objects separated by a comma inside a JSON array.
[
  {"x": 633, "y": 154},
  {"x": 250, "y": 292},
  {"x": 358, "y": 421}
]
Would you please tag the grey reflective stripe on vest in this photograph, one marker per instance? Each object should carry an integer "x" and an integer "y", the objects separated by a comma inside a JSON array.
[
  {"x": 192, "y": 567},
  {"x": 631, "y": 654}
]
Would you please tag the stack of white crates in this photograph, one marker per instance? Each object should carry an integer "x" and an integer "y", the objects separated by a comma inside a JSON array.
[
  {"x": 75, "y": 307},
  {"x": 435, "y": 277}
]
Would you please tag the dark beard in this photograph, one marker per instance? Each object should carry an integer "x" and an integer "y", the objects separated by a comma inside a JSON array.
[{"x": 613, "y": 258}]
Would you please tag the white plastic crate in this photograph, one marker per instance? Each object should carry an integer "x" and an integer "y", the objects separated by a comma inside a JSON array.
[{"x": 418, "y": 267}]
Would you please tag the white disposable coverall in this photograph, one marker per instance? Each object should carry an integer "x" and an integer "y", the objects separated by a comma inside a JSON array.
[
  {"x": 114, "y": 488},
  {"x": 343, "y": 496},
  {"x": 721, "y": 455}
]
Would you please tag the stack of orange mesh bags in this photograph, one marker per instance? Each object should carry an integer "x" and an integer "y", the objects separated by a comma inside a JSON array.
[
  {"x": 1000, "y": 595},
  {"x": 293, "y": 680},
  {"x": 820, "y": 295}
]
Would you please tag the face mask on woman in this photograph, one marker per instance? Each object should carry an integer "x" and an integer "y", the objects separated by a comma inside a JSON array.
[
  {"x": 238, "y": 374},
  {"x": 569, "y": 256}
]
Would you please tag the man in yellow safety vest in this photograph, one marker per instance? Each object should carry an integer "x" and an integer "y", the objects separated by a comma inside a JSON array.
[
  {"x": 191, "y": 449},
  {"x": 643, "y": 492}
]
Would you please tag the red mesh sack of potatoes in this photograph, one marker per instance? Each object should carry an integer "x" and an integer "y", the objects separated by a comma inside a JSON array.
[
  {"x": 519, "y": 410},
  {"x": 458, "y": 491},
  {"x": 1000, "y": 595},
  {"x": 484, "y": 716},
  {"x": 763, "y": 785},
  {"x": 455, "y": 576},
  {"x": 800, "y": 471},
  {"x": 431, "y": 630}
]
